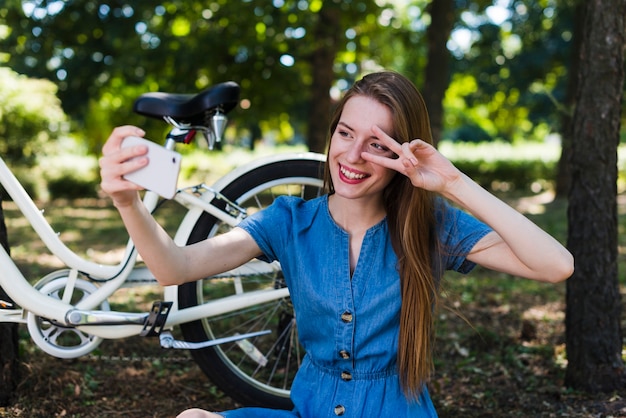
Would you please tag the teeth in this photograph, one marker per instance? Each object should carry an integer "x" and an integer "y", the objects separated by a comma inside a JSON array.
[{"x": 351, "y": 175}]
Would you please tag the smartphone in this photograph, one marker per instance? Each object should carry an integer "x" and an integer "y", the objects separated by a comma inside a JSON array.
[{"x": 161, "y": 173}]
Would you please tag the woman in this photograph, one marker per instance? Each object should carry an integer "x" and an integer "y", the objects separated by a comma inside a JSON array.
[{"x": 363, "y": 262}]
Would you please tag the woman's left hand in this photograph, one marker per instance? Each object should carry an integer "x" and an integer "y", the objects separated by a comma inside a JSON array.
[{"x": 426, "y": 167}]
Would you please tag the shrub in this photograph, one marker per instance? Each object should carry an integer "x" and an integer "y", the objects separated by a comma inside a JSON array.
[
  {"x": 510, "y": 175},
  {"x": 70, "y": 176},
  {"x": 30, "y": 116},
  {"x": 503, "y": 166}
]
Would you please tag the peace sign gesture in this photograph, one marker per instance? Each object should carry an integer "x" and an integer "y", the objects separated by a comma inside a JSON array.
[{"x": 426, "y": 167}]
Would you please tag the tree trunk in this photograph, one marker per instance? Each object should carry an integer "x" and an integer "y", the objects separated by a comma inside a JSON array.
[
  {"x": 437, "y": 73},
  {"x": 9, "y": 353},
  {"x": 322, "y": 59},
  {"x": 593, "y": 333}
]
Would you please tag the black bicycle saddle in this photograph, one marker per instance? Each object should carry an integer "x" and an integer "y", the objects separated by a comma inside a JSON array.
[{"x": 188, "y": 108}]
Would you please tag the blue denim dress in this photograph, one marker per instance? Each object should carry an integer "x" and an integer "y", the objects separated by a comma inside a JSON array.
[{"x": 347, "y": 324}]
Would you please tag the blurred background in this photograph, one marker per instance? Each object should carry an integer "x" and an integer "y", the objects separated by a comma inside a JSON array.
[{"x": 497, "y": 76}]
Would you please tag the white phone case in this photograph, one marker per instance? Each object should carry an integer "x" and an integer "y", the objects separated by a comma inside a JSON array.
[{"x": 161, "y": 173}]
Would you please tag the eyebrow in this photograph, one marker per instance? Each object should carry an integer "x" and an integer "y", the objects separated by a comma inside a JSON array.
[
  {"x": 345, "y": 125},
  {"x": 352, "y": 129}
]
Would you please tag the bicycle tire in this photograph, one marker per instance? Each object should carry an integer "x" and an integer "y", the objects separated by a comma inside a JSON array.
[{"x": 259, "y": 371}]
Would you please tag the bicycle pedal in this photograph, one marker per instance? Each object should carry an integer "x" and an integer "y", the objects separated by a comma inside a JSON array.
[{"x": 153, "y": 325}]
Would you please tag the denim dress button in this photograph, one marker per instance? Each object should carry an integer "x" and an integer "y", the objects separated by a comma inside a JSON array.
[
  {"x": 344, "y": 354},
  {"x": 340, "y": 410},
  {"x": 346, "y": 317},
  {"x": 346, "y": 376}
]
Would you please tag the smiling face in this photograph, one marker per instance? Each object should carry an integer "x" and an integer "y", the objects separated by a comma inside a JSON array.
[{"x": 351, "y": 175}]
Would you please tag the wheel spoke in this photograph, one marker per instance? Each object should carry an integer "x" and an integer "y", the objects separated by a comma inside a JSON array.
[{"x": 240, "y": 369}]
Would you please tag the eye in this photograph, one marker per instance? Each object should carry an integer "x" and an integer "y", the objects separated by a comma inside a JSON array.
[
  {"x": 342, "y": 133},
  {"x": 380, "y": 149}
]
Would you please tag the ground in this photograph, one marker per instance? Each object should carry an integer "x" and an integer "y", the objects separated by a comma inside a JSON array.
[
  {"x": 500, "y": 352},
  {"x": 500, "y": 360}
]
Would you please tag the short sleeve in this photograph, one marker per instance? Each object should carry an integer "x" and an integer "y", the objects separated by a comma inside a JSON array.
[
  {"x": 270, "y": 227},
  {"x": 458, "y": 233}
]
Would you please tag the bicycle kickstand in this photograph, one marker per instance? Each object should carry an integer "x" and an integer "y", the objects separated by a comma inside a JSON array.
[{"x": 153, "y": 327}]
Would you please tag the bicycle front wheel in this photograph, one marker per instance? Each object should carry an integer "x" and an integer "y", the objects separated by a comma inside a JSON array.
[{"x": 256, "y": 371}]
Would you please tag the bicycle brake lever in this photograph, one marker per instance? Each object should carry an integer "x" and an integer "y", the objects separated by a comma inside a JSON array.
[{"x": 167, "y": 340}]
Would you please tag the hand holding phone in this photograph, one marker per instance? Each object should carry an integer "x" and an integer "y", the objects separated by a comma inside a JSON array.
[{"x": 161, "y": 173}]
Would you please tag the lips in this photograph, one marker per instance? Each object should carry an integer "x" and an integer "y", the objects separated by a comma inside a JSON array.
[{"x": 351, "y": 175}]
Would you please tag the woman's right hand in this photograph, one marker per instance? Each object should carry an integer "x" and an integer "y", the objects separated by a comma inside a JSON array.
[{"x": 117, "y": 161}]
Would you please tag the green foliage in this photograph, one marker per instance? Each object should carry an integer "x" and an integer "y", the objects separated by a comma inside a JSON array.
[
  {"x": 70, "y": 176},
  {"x": 103, "y": 55},
  {"x": 497, "y": 166},
  {"x": 64, "y": 176},
  {"x": 72, "y": 185},
  {"x": 34, "y": 141},
  {"x": 502, "y": 166},
  {"x": 502, "y": 116},
  {"x": 509, "y": 80},
  {"x": 510, "y": 175},
  {"x": 519, "y": 67},
  {"x": 30, "y": 116}
]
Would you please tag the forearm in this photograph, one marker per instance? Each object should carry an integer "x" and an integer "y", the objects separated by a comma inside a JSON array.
[
  {"x": 517, "y": 247},
  {"x": 162, "y": 256},
  {"x": 165, "y": 259},
  {"x": 541, "y": 256}
]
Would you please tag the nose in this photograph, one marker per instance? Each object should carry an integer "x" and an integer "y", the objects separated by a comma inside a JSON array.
[{"x": 353, "y": 154}]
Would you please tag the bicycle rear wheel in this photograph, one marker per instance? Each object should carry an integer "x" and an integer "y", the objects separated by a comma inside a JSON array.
[{"x": 257, "y": 371}]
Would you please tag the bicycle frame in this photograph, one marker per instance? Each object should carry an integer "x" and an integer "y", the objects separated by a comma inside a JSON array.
[{"x": 111, "y": 324}]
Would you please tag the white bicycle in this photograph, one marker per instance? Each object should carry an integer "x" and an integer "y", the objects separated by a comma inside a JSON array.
[{"x": 239, "y": 326}]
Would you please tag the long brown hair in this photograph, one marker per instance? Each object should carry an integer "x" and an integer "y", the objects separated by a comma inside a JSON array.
[{"x": 411, "y": 219}]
